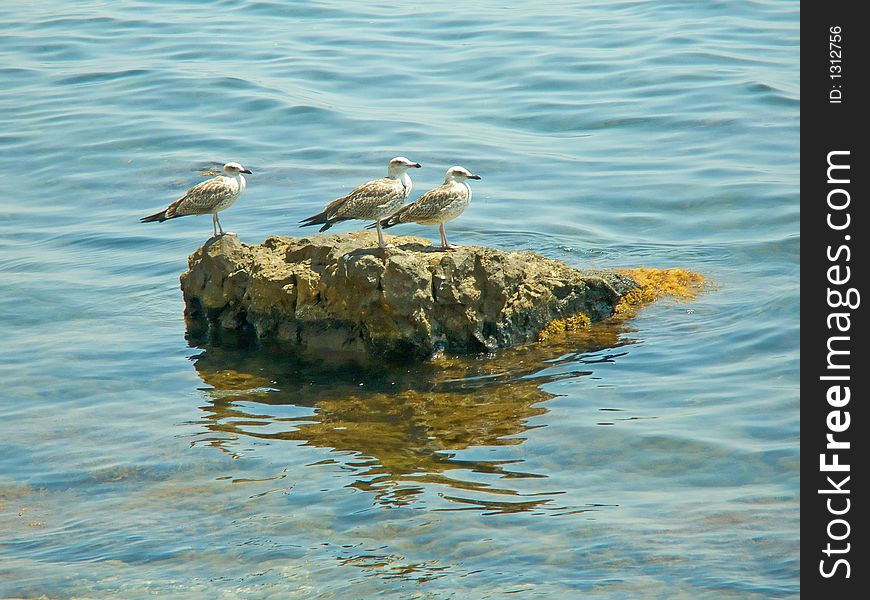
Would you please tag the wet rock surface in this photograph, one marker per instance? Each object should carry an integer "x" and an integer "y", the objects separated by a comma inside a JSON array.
[{"x": 339, "y": 293}]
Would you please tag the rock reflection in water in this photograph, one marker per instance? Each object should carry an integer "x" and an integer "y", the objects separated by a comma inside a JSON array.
[{"x": 398, "y": 427}]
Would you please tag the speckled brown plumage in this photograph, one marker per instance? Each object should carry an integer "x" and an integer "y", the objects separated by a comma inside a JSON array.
[
  {"x": 208, "y": 197},
  {"x": 437, "y": 206},
  {"x": 371, "y": 201}
]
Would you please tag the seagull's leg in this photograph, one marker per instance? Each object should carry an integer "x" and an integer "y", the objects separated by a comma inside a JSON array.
[
  {"x": 381, "y": 243},
  {"x": 214, "y": 224},
  {"x": 444, "y": 243},
  {"x": 218, "y": 221}
]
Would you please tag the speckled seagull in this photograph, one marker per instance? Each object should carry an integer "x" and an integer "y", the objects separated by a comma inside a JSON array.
[
  {"x": 437, "y": 206},
  {"x": 372, "y": 201},
  {"x": 207, "y": 198}
]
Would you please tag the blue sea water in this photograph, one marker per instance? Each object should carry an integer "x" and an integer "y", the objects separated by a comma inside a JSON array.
[{"x": 136, "y": 460}]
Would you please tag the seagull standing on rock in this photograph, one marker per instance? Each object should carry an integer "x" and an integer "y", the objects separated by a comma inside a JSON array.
[
  {"x": 209, "y": 197},
  {"x": 437, "y": 206},
  {"x": 372, "y": 201}
]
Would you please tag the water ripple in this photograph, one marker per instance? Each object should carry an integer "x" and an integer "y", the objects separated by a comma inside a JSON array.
[{"x": 144, "y": 459}]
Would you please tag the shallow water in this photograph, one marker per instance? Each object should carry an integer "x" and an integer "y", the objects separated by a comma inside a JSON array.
[{"x": 653, "y": 458}]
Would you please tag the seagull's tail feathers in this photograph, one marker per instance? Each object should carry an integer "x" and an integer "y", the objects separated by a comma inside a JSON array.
[
  {"x": 159, "y": 217},
  {"x": 317, "y": 219},
  {"x": 170, "y": 212},
  {"x": 393, "y": 219},
  {"x": 321, "y": 219},
  {"x": 385, "y": 222}
]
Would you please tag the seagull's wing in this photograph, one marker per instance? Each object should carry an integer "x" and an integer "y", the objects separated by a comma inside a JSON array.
[
  {"x": 364, "y": 201},
  {"x": 428, "y": 206},
  {"x": 201, "y": 198}
]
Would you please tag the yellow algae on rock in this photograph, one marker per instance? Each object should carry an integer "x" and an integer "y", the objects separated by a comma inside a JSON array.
[
  {"x": 655, "y": 284},
  {"x": 578, "y": 321}
]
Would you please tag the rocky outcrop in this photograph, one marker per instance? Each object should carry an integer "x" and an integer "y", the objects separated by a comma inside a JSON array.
[{"x": 338, "y": 293}]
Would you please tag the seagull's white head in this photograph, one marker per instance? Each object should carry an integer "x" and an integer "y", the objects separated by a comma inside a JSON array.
[
  {"x": 233, "y": 168},
  {"x": 459, "y": 174},
  {"x": 400, "y": 164}
]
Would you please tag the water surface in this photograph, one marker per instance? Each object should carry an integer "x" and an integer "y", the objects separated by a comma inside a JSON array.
[{"x": 651, "y": 458}]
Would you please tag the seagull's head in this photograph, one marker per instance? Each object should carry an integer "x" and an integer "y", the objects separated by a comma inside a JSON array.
[
  {"x": 400, "y": 164},
  {"x": 459, "y": 174},
  {"x": 233, "y": 168}
]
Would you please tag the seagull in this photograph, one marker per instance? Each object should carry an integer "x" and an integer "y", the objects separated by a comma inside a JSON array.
[
  {"x": 372, "y": 201},
  {"x": 437, "y": 206},
  {"x": 208, "y": 197}
]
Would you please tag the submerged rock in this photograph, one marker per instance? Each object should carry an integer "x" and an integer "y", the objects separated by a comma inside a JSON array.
[{"x": 338, "y": 293}]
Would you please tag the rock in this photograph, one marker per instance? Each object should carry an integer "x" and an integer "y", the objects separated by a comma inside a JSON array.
[{"x": 339, "y": 293}]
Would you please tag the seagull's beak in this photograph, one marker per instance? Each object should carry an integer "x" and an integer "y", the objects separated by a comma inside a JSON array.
[
  {"x": 474, "y": 177},
  {"x": 416, "y": 165},
  {"x": 248, "y": 171}
]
